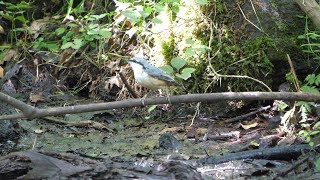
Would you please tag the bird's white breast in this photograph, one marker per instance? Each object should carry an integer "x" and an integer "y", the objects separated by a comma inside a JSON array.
[{"x": 144, "y": 79}]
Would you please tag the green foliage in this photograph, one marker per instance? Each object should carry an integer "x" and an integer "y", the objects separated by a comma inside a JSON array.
[
  {"x": 15, "y": 13},
  {"x": 313, "y": 45},
  {"x": 317, "y": 165},
  {"x": 177, "y": 69},
  {"x": 313, "y": 79},
  {"x": 86, "y": 35},
  {"x": 139, "y": 13},
  {"x": 310, "y": 87},
  {"x": 308, "y": 136},
  {"x": 305, "y": 109},
  {"x": 248, "y": 59},
  {"x": 168, "y": 49}
]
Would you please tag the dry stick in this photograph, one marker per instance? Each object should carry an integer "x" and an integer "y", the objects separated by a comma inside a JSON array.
[
  {"x": 32, "y": 112},
  {"x": 130, "y": 89},
  {"x": 283, "y": 153},
  {"x": 238, "y": 118},
  {"x": 295, "y": 78},
  {"x": 295, "y": 165}
]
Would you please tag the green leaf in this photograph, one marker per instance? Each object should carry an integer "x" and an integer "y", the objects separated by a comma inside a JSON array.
[
  {"x": 311, "y": 78},
  {"x": 311, "y": 44},
  {"x": 202, "y": 2},
  {"x": 188, "y": 70},
  {"x": 148, "y": 9},
  {"x": 302, "y": 36},
  {"x": 21, "y": 19},
  {"x": 186, "y": 73},
  {"x": 159, "y": 7},
  {"x": 93, "y": 26},
  {"x": 96, "y": 17},
  {"x": 73, "y": 25},
  {"x": 53, "y": 47},
  {"x": 7, "y": 16},
  {"x": 317, "y": 81},
  {"x": 282, "y": 106},
  {"x": 203, "y": 48},
  {"x": 59, "y": 31},
  {"x": 77, "y": 43},
  {"x": 175, "y": 8},
  {"x": 314, "y": 133},
  {"x": 178, "y": 63},
  {"x": 318, "y": 165},
  {"x": 131, "y": 15},
  {"x": 184, "y": 76},
  {"x": 156, "y": 20},
  {"x": 105, "y": 33},
  {"x": 309, "y": 89},
  {"x": 189, "y": 52},
  {"x": 167, "y": 69},
  {"x": 66, "y": 45},
  {"x": 190, "y": 41},
  {"x": 151, "y": 108}
]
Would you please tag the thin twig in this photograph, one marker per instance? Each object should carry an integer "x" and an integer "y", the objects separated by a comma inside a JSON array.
[
  {"x": 248, "y": 19},
  {"x": 295, "y": 78},
  {"x": 238, "y": 118}
]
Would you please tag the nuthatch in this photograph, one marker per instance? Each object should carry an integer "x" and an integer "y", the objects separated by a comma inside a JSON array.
[{"x": 150, "y": 76}]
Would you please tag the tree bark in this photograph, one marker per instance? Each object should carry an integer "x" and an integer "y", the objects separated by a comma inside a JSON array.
[
  {"x": 32, "y": 112},
  {"x": 312, "y": 9}
]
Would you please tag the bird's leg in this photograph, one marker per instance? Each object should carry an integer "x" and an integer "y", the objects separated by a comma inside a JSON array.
[
  {"x": 143, "y": 98},
  {"x": 167, "y": 94}
]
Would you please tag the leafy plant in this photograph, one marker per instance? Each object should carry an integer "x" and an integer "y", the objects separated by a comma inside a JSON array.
[
  {"x": 177, "y": 68},
  {"x": 308, "y": 136},
  {"x": 15, "y": 13},
  {"x": 313, "y": 45},
  {"x": 318, "y": 165},
  {"x": 312, "y": 81}
]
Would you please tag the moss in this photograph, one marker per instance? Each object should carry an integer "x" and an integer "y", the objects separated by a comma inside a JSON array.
[
  {"x": 168, "y": 49},
  {"x": 246, "y": 59}
]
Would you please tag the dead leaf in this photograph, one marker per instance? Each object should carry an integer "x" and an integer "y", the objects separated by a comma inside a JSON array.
[
  {"x": 37, "y": 25},
  {"x": 249, "y": 126},
  {"x": 288, "y": 140},
  {"x": 49, "y": 57},
  {"x": 8, "y": 56},
  {"x": 36, "y": 98},
  {"x": 9, "y": 87},
  {"x": 38, "y": 131},
  {"x": 114, "y": 80},
  {"x": 1, "y": 30},
  {"x": 1, "y": 72},
  {"x": 113, "y": 66},
  {"x": 254, "y": 144},
  {"x": 119, "y": 17}
]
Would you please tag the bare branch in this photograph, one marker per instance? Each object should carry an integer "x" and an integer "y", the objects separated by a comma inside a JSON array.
[{"x": 32, "y": 112}]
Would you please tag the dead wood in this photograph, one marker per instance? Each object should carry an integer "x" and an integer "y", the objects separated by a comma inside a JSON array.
[
  {"x": 312, "y": 9},
  {"x": 239, "y": 118},
  {"x": 31, "y": 112},
  {"x": 278, "y": 153}
]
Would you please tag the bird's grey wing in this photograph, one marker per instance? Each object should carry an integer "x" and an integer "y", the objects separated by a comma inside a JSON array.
[{"x": 157, "y": 73}]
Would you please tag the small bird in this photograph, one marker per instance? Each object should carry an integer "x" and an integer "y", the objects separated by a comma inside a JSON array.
[{"x": 150, "y": 76}]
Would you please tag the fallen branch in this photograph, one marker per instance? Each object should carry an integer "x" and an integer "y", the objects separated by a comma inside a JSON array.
[
  {"x": 279, "y": 153},
  {"x": 31, "y": 112}
]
